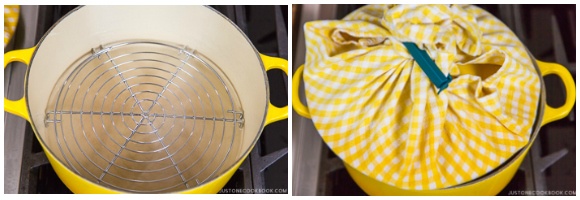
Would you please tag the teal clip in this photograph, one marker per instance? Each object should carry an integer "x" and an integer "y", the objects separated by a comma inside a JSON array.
[{"x": 428, "y": 66}]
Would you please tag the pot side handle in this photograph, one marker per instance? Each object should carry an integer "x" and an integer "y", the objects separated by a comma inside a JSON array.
[
  {"x": 275, "y": 113},
  {"x": 552, "y": 114},
  {"x": 18, "y": 107},
  {"x": 296, "y": 103}
]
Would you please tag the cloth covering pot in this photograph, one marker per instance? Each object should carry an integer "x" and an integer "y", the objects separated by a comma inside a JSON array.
[{"x": 381, "y": 114}]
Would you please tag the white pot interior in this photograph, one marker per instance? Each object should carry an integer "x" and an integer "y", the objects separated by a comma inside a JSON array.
[{"x": 199, "y": 28}]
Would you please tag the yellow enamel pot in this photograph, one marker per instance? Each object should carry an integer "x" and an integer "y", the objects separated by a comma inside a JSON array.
[
  {"x": 199, "y": 27},
  {"x": 489, "y": 184}
]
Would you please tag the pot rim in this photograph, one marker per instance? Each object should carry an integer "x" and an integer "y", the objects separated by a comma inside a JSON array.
[{"x": 246, "y": 151}]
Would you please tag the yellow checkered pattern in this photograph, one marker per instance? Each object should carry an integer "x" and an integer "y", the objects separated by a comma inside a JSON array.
[
  {"x": 380, "y": 113},
  {"x": 10, "y": 21}
]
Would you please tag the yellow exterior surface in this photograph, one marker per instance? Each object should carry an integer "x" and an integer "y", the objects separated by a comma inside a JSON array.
[
  {"x": 275, "y": 113},
  {"x": 493, "y": 184},
  {"x": 78, "y": 184},
  {"x": 552, "y": 114},
  {"x": 376, "y": 108},
  {"x": 18, "y": 107},
  {"x": 297, "y": 104},
  {"x": 488, "y": 185}
]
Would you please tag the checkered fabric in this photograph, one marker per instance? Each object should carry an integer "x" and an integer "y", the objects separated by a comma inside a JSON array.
[
  {"x": 10, "y": 21},
  {"x": 379, "y": 112}
]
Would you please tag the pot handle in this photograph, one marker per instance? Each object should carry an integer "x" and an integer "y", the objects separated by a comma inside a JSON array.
[
  {"x": 552, "y": 114},
  {"x": 296, "y": 103},
  {"x": 18, "y": 107},
  {"x": 275, "y": 113}
]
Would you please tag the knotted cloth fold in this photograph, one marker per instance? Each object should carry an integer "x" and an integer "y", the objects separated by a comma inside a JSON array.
[{"x": 378, "y": 111}]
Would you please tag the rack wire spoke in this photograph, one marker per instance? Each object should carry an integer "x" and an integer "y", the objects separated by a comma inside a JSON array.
[
  {"x": 173, "y": 75},
  {"x": 170, "y": 155},
  {"x": 151, "y": 117},
  {"x": 120, "y": 150},
  {"x": 124, "y": 80},
  {"x": 232, "y": 119}
]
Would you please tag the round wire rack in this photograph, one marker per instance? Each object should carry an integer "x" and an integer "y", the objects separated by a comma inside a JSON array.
[{"x": 145, "y": 117}]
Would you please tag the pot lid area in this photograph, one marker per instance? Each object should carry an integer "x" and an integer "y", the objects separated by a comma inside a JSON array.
[{"x": 384, "y": 111}]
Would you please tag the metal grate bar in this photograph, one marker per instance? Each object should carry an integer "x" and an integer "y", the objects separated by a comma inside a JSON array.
[
  {"x": 240, "y": 18},
  {"x": 281, "y": 33},
  {"x": 138, "y": 114}
]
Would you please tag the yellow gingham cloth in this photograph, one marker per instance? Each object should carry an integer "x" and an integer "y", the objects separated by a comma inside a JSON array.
[
  {"x": 10, "y": 21},
  {"x": 379, "y": 112}
]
